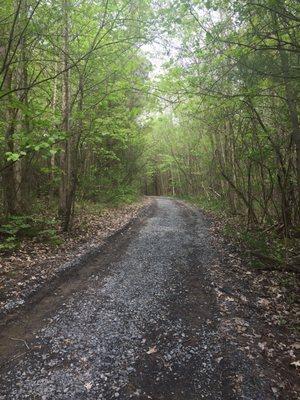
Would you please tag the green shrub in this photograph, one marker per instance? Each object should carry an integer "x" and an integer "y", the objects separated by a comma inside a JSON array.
[
  {"x": 18, "y": 227},
  {"x": 8, "y": 244},
  {"x": 11, "y": 231}
]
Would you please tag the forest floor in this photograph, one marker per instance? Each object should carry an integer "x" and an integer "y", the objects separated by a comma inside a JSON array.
[
  {"x": 37, "y": 262},
  {"x": 167, "y": 310}
]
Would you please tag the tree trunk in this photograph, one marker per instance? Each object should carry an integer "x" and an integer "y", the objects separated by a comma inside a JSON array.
[
  {"x": 8, "y": 174},
  {"x": 291, "y": 100},
  {"x": 65, "y": 206},
  {"x": 52, "y": 158},
  {"x": 20, "y": 165}
]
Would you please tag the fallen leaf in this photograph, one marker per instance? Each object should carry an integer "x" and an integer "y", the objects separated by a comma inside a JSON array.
[
  {"x": 296, "y": 346},
  {"x": 264, "y": 302},
  {"x": 262, "y": 345},
  {"x": 152, "y": 350},
  {"x": 88, "y": 385},
  {"x": 296, "y": 364},
  {"x": 244, "y": 298}
]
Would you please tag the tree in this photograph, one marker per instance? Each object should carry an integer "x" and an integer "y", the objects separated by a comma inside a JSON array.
[{"x": 234, "y": 81}]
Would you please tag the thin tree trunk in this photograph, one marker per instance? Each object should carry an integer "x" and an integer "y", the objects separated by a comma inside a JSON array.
[
  {"x": 8, "y": 174},
  {"x": 291, "y": 100},
  {"x": 20, "y": 165},
  {"x": 65, "y": 159},
  {"x": 52, "y": 158}
]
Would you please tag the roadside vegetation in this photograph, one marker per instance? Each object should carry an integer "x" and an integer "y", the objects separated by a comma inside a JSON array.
[
  {"x": 89, "y": 120},
  {"x": 229, "y": 136},
  {"x": 71, "y": 90}
]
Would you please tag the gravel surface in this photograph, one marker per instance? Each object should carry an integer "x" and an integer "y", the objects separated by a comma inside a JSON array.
[
  {"x": 36, "y": 263},
  {"x": 148, "y": 328}
]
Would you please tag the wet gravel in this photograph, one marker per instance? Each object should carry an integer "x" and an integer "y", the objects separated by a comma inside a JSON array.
[{"x": 147, "y": 330}]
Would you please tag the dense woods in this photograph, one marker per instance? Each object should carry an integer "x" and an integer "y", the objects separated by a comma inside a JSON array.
[
  {"x": 232, "y": 132},
  {"x": 86, "y": 115},
  {"x": 71, "y": 82}
]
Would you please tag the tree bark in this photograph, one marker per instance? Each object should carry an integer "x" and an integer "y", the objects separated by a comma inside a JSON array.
[
  {"x": 65, "y": 158},
  {"x": 291, "y": 101}
]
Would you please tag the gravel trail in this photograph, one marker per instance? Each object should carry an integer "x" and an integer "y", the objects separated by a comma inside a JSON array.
[{"x": 147, "y": 328}]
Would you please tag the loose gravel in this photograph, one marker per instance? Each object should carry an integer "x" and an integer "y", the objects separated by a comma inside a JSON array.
[{"x": 147, "y": 330}]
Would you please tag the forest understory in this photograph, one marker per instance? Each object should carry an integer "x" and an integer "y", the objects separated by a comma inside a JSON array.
[{"x": 36, "y": 263}]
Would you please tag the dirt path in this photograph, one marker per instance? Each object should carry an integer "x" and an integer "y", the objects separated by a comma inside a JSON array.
[{"x": 140, "y": 321}]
